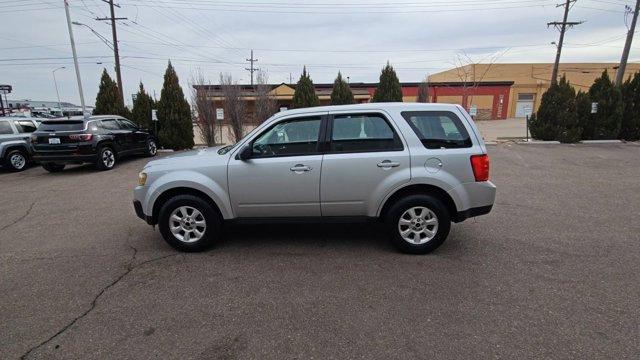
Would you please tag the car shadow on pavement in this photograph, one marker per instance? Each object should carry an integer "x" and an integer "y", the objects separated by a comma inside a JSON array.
[{"x": 301, "y": 236}]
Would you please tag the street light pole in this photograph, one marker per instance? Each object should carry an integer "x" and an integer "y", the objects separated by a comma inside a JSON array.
[
  {"x": 75, "y": 58},
  {"x": 56, "y": 85}
]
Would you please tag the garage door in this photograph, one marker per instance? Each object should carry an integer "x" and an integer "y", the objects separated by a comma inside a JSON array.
[{"x": 524, "y": 105}]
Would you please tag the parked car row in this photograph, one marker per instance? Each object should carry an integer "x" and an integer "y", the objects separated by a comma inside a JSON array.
[
  {"x": 414, "y": 167},
  {"x": 100, "y": 140}
]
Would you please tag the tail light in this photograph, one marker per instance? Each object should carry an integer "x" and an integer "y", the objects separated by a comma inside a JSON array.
[
  {"x": 81, "y": 137},
  {"x": 480, "y": 166}
]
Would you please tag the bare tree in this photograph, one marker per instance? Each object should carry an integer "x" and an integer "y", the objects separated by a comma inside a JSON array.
[
  {"x": 265, "y": 104},
  {"x": 234, "y": 106},
  {"x": 471, "y": 73},
  {"x": 203, "y": 108}
]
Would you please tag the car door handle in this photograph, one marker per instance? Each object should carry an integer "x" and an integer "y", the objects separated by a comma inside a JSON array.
[
  {"x": 388, "y": 164},
  {"x": 300, "y": 168}
]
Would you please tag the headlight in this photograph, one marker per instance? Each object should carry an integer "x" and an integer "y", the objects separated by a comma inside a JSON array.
[{"x": 142, "y": 178}]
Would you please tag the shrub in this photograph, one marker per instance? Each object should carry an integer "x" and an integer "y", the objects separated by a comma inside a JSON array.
[
  {"x": 606, "y": 123},
  {"x": 630, "y": 129},
  {"x": 556, "y": 118}
]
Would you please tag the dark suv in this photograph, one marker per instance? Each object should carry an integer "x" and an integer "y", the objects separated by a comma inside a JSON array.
[{"x": 100, "y": 140}]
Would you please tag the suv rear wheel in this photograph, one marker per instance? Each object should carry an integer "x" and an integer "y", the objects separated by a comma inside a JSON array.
[
  {"x": 188, "y": 223},
  {"x": 152, "y": 148},
  {"x": 106, "y": 158},
  {"x": 418, "y": 224},
  {"x": 53, "y": 167},
  {"x": 16, "y": 160}
]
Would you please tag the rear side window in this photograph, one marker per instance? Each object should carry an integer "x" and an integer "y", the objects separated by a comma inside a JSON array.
[
  {"x": 24, "y": 126},
  {"x": 438, "y": 129},
  {"x": 64, "y": 125},
  {"x": 109, "y": 124},
  {"x": 5, "y": 128},
  {"x": 126, "y": 124},
  {"x": 363, "y": 133}
]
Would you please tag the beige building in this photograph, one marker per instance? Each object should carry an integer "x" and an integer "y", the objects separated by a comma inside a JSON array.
[{"x": 530, "y": 81}]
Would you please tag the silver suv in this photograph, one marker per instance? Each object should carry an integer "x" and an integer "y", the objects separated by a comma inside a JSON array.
[
  {"x": 15, "y": 150},
  {"x": 415, "y": 167}
]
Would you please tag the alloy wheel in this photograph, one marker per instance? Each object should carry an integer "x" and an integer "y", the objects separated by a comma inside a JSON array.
[
  {"x": 18, "y": 161},
  {"x": 153, "y": 148},
  {"x": 418, "y": 225},
  {"x": 187, "y": 224},
  {"x": 108, "y": 158}
]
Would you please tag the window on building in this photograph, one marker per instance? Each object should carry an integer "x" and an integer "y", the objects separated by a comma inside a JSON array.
[
  {"x": 438, "y": 129},
  {"x": 289, "y": 138},
  {"x": 363, "y": 133},
  {"x": 525, "y": 97}
]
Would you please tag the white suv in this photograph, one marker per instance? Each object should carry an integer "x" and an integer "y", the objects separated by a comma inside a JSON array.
[{"x": 416, "y": 167}]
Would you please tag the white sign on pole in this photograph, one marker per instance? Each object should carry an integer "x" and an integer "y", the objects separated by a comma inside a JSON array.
[
  {"x": 219, "y": 114},
  {"x": 473, "y": 111},
  {"x": 594, "y": 107},
  {"x": 154, "y": 115}
]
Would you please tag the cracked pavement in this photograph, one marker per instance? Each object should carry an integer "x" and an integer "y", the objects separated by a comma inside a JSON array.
[{"x": 550, "y": 273}]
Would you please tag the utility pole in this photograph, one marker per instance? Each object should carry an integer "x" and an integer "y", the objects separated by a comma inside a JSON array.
[
  {"x": 627, "y": 46},
  {"x": 251, "y": 69},
  {"x": 563, "y": 27},
  {"x": 75, "y": 58},
  {"x": 55, "y": 82},
  {"x": 116, "y": 53}
]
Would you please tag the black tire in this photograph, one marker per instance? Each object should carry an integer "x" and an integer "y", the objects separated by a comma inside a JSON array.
[
  {"x": 213, "y": 222},
  {"x": 53, "y": 167},
  {"x": 106, "y": 158},
  {"x": 16, "y": 160},
  {"x": 417, "y": 202},
  {"x": 152, "y": 148}
]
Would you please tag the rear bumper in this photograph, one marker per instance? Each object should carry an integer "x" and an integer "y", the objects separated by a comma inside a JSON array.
[
  {"x": 473, "y": 212},
  {"x": 65, "y": 159},
  {"x": 137, "y": 206}
]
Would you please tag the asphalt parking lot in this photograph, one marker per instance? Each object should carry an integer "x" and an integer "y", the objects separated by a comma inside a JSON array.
[{"x": 552, "y": 272}]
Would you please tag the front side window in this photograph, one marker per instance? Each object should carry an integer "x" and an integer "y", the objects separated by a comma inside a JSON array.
[
  {"x": 438, "y": 129},
  {"x": 5, "y": 128},
  {"x": 24, "y": 126},
  {"x": 126, "y": 124},
  {"x": 289, "y": 138},
  {"x": 363, "y": 133}
]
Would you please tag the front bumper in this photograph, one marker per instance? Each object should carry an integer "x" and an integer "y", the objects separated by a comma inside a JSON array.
[{"x": 137, "y": 206}]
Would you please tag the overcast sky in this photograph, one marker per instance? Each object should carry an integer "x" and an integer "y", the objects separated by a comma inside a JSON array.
[{"x": 354, "y": 36}]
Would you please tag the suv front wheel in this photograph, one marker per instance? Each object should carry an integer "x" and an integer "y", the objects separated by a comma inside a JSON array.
[
  {"x": 418, "y": 224},
  {"x": 188, "y": 223}
]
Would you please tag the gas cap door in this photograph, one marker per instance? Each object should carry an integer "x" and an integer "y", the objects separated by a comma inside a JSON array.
[{"x": 433, "y": 165}]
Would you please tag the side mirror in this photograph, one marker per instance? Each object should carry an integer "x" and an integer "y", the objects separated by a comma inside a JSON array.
[{"x": 245, "y": 153}]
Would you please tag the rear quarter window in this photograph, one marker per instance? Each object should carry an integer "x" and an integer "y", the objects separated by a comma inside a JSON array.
[
  {"x": 5, "y": 128},
  {"x": 61, "y": 125},
  {"x": 438, "y": 129}
]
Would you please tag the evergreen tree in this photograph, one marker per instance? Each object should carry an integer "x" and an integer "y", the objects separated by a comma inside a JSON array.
[
  {"x": 556, "y": 118},
  {"x": 174, "y": 114},
  {"x": 108, "y": 98},
  {"x": 606, "y": 122},
  {"x": 630, "y": 129},
  {"x": 142, "y": 106},
  {"x": 341, "y": 93},
  {"x": 305, "y": 94},
  {"x": 389, "y": 89}
]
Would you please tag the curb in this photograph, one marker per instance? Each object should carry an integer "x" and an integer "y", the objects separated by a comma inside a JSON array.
[
  {"x": 165, "y": 150},
  {"x": 600, "y": 142},
  {"x": 536, "y": 142}
]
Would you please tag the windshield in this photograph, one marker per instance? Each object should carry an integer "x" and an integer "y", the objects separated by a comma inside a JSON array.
[{"x": 61, "y": 125}]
